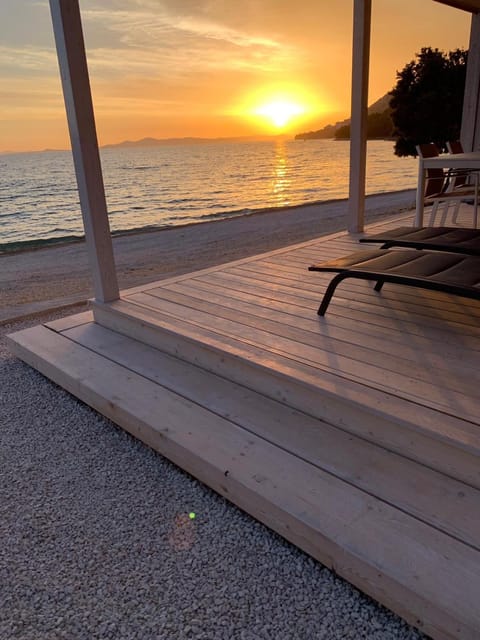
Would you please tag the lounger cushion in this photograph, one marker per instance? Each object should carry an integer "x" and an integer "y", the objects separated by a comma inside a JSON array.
[
  {"x": 456, "y": 239},
  {"x": 462, "y": 272},
  {"x": 439, "y": 271}
]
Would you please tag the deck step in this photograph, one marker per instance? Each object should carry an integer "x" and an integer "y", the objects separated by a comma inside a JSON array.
[
  {"x": 402, "y": 533},
  {"x": 422, "y": 492},
  {"x": 441, "y": 441}
]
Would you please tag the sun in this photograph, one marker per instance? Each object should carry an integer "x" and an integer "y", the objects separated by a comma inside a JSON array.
[
  {"x": 279, "y": 109},
  {"x": 279, "y": 112}
]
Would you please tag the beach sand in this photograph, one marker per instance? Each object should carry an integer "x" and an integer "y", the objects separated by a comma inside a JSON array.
[{"x": 54, "y": 277}]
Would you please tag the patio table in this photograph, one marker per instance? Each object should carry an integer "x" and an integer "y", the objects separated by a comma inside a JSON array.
[{"x": 468, "y": 161}]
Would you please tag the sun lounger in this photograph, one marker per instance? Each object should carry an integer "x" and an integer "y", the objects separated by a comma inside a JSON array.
[
  {"x": 447, "y": 272},
  {"x": 456, "y": 239}
]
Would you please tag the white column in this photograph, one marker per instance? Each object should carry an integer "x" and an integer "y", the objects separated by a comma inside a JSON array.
[
  {"x": 470, "y": 133},
  {"x": 358, "y": 127},
  {"x": 72, "y": 60}
]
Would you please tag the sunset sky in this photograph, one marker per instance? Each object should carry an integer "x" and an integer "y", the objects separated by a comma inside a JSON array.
[{"x": 206, "y": 68}]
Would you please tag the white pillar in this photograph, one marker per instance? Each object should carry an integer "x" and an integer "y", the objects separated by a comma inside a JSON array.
[
  {"x": 470, "y": 133},
  {"x": 72, "y": 60},
  {"x": 358, "y": 127}
]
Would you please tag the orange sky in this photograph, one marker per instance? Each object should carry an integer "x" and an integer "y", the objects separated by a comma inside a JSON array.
[{"x": 174, "y": 68}]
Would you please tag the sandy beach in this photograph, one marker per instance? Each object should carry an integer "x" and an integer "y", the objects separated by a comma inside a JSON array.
[{"x": 54, "y": 277}]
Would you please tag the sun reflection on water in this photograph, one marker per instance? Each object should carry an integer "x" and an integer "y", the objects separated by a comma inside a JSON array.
[{"x": 281, "y": 179}]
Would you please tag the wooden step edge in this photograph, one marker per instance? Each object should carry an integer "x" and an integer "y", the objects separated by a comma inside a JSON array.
[
  {"x": 438, "y": 500},
  {"x": 371, "y": 414},
  {"x": 418, "y": 572},
  {"x": 68, "y": 322},
  {"x": 332, "y": 352}
]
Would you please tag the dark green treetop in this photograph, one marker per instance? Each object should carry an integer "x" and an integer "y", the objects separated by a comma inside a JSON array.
[{"x": 427, "y": 100}]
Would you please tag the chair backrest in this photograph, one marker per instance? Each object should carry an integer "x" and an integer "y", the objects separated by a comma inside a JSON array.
[
  {"x": 428, "y": 150},
  {"x": 455, "y": 146},
  {"x": 435, "y": 182}
]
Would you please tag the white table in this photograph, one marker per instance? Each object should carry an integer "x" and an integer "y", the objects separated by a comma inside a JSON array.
[{"x": 469, "y": 161}]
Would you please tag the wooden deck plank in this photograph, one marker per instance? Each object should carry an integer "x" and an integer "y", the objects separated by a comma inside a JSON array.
[
  {"x": 463, "y": 310},
  {"x": 418, "y": 571},
  {"x": 358, "y": 292},
  {"x": 385, "y": 333},
  {"x": 70, "y": 321},
  {"x": 262, "y": 335},
  {"x": 465, "y": 380},
  {"x": 446, "y": 443},
  {"x": 445, "y": 503},
  {"x": 369, "y": 304},
  {"x": 386, "y": 342},
  {"x": 397, "y": 296},
  {"x": 294, "y": 269}
]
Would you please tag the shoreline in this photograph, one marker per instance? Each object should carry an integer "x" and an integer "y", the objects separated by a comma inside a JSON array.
[
  {"x": 44, "y": 243},
  {"x": 35, "y": 280}
]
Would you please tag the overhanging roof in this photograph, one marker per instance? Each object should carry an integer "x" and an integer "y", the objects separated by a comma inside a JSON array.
[{"x": 467, "y": 5}]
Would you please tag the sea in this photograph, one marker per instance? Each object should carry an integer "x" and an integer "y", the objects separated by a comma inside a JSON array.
[{"x": 167, "y": 185}]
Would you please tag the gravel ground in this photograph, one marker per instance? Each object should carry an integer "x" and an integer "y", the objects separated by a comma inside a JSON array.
[{"x": 97, "y": 542}]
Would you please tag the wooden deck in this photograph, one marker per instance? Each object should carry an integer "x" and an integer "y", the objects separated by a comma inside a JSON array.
[{"x": 356, "y": 435}]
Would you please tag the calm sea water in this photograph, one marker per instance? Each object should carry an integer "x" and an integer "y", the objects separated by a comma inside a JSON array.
[{"x": 163, "y": 186}]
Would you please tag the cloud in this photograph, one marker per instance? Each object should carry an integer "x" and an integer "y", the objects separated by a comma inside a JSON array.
[
  {"x": 21, "y": 99},
  {"x": 142, "y": 41},
  {"x": 222, "y": 33},
  {"x": 137, "y": 43},
  {"x": 27, "y": 60}
]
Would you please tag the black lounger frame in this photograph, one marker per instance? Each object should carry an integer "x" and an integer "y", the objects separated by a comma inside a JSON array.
[
  {"x": 380, "y": 281},
  {"x": 380, "y": 277}
]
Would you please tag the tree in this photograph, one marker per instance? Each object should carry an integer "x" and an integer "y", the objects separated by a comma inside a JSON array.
[{"x": 427, "y": 100}]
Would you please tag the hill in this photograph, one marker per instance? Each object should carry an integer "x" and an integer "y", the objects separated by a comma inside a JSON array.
[
  {"x": 154, "y": 142},
  {"x": 380, "y": 106}
]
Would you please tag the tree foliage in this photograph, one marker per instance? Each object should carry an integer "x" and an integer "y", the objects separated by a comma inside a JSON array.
[{"x": 427, "y": 100}]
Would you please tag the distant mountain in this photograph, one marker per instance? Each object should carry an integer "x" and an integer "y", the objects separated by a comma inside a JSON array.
[
  {"x": 380, "y": 106},
  {"x": 154, "y": 142}
]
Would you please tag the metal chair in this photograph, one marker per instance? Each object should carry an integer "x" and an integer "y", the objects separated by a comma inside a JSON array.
[{"x": 443, "y": 187}]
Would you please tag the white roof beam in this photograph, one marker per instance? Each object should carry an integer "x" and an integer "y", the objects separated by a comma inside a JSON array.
[
  {"x": 72, "y": 60},
  {"x": 358, "y": 126}
]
